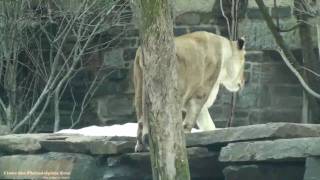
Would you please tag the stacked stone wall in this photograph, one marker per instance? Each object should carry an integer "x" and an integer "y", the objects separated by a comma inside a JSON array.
[{"x": 272, "y": 93}]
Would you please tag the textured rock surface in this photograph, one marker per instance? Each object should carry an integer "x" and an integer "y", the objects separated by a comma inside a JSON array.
[
  {"x": 312, "y": 168},
  {"x": 264, "y": 172},
  {"x": 182, "y": 6},
  {"x": 253, "y": 132},
  {"x": 277, "y": 150},
  {"x": 203, "y": 165},
  {"x": 108, "y": 107},
  {"x": 252, "y": 3},
  {"x": 188, "y": 19},
  {"x": 258, "y": 35},
  {"x": 48, "y": 166}
]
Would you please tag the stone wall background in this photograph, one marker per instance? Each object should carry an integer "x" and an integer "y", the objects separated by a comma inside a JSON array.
[{"x": 271, "y": 94}]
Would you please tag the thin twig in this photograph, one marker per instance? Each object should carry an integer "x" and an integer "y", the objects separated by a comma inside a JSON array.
[
  {"x": 226, "y": 18},
  {"x": 309, "y": 70},
  {"x": 298, "y": 75}
]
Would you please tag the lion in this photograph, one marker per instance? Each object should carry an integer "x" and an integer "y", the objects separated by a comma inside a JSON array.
[{"x": 204, "y": 62}]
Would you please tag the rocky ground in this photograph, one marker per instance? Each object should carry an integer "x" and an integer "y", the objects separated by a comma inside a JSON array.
[{"x": 274, "y": 151}]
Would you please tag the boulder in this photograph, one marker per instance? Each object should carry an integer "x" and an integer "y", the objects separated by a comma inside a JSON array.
[{"x": 277, "y": 150}]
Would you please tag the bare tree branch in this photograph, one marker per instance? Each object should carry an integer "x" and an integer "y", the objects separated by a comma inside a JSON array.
[
  {"x": 286, "y": 54},
  {"x": 297, "y": 74},
  {"x": 48, "y": 66}
]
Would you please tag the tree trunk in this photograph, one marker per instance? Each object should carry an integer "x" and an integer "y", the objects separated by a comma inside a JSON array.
[
  {"x": 162, "y": 108},
  {"x": 56, "y": 101},
  {"x": 309, "y": 60},
  {"x": 284, "y": 51},
  {"x": 318, "y": 35}
]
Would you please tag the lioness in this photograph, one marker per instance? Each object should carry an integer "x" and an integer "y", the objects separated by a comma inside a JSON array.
[{"x": 205, "y": 61}]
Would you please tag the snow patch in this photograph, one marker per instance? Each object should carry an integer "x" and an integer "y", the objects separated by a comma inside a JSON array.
[{"x": 128, "y": 129}]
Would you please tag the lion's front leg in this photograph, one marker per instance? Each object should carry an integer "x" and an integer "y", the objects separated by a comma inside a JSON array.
[{"x": 204, "y": 120}]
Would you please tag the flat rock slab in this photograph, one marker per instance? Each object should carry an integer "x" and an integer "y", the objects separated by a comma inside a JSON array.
[
  {"x": 99, "y": 145},
  {"x": 90, "y": 145},
  {"x": 253, "y": 132},
  {"x": 264, "y": 172},
  {"x": 73, "y": 143},
  {"x": 277, "y": 150}
]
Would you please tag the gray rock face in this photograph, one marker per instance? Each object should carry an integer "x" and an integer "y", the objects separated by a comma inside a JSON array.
[
  {"x": 188, "y": 19},
  {"x": 312, "y": 168},
  {"x": 108, "y": 107},
  {"x": 48, "y": 166},
  {"x": 183, "y": 6},
  {"x": 258, "y": 35},
  {"x": 252, "y": 132},
  {"x": 114, "y": 58},
  {"x": 254, "y": 56},
  {"x": 264, "y": 172},
  {"x": 278, "y": 150}
]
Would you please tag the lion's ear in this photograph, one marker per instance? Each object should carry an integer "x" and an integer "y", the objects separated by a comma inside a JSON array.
[{"x": 240, "y": 43}]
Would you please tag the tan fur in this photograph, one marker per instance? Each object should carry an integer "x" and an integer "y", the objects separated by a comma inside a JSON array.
[{"x": 205, "y": 61}]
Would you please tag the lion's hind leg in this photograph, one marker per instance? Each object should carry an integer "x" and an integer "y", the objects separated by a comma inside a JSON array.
[
  {"x": 193, "y": 108},
  {"x": 142, "y": 137},
  {"x": 139, "y": 145}
]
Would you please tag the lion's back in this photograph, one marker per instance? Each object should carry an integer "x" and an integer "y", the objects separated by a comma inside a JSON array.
[{"x": 198, "y": 56}]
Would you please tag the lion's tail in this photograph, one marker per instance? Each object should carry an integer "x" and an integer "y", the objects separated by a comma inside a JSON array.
[{"x": 138, "y": 83}]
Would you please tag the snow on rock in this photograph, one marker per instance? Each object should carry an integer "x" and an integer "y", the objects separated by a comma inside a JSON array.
[{"x": 128, "y": 129}]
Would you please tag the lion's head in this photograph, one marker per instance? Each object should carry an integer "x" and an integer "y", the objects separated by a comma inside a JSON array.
[{"x": 233, "y": 72}]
